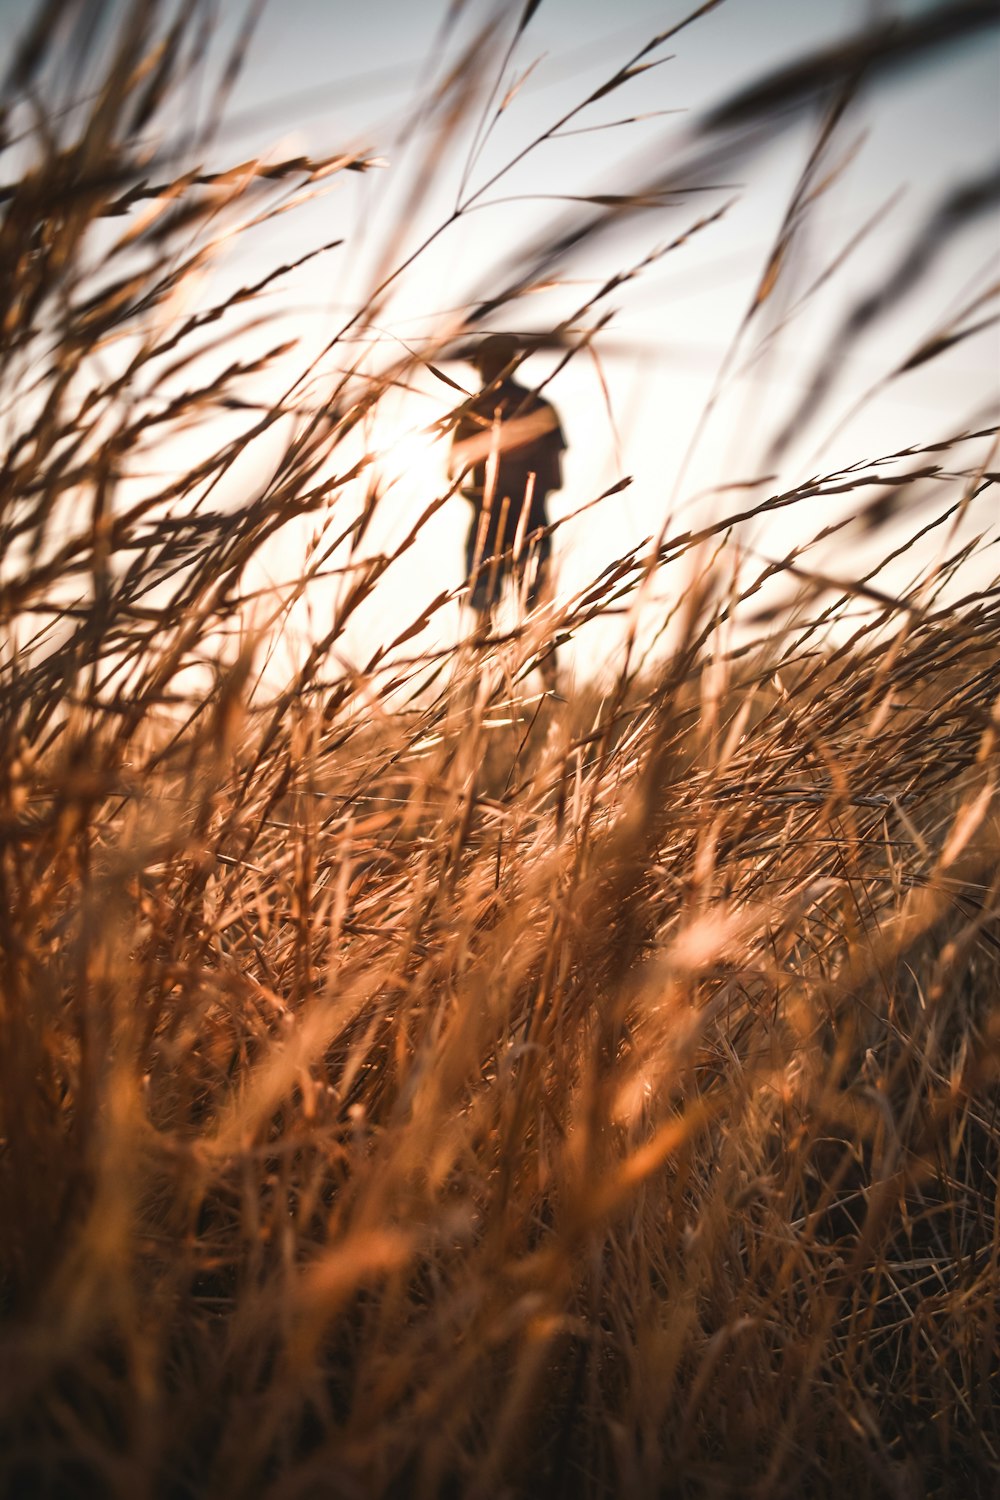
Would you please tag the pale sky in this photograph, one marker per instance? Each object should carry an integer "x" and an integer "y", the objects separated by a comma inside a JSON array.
[{"x": 324, "y": 76}]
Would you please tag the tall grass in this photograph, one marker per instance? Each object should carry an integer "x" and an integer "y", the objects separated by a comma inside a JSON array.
[{"x": 411, "y": 1085}]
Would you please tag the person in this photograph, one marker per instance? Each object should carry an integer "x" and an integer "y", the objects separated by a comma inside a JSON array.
[{"x": 508, "y": 448}]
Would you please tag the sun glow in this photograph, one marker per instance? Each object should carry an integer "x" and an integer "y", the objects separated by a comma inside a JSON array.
[{"x": 408, "y": 457}]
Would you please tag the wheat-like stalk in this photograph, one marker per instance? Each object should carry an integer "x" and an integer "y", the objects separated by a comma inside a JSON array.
[{"x": 409, "y": 1084}]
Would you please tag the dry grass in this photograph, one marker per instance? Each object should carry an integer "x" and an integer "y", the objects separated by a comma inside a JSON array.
[{"x": 414, "y": 1087}]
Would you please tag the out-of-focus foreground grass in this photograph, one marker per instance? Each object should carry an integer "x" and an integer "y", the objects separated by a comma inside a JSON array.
[{"x": 412, "y": 1086}]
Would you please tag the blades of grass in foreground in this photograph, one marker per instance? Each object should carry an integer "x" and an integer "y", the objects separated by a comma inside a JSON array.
[{"x": 412, "y": 1083}]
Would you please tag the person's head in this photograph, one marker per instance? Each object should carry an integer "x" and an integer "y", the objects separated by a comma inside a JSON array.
[{"x": 494, "y": 354}]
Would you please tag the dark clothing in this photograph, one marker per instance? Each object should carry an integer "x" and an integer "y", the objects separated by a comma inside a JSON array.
[
  {"x": 486, "y": 578},
  {"x": 511, "y": 445}
]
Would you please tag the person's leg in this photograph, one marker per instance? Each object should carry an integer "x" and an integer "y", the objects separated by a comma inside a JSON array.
[
  {"x": 538, "y": 591},
  {"x": 477, "y": 576}
]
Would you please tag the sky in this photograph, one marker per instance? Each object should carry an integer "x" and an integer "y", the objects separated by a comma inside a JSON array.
[{"x": 321, "y": 77}]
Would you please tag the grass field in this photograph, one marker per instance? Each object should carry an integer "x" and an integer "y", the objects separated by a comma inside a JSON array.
[{"x": 413, "y": 1084}]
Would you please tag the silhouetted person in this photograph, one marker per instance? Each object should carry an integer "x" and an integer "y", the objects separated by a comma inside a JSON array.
[{"x": 510, "y": 444}]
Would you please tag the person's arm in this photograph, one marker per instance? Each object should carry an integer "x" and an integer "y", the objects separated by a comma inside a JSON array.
[
  {"x": 555, "y": 447},
  {"x": 464, "y": 462}
]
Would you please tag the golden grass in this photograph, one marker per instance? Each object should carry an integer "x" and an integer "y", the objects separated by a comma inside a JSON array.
[{"x": 411, "y": 1086}]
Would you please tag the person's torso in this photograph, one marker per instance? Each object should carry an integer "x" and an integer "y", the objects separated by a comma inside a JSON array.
[{"x": 519, "y": 431}]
